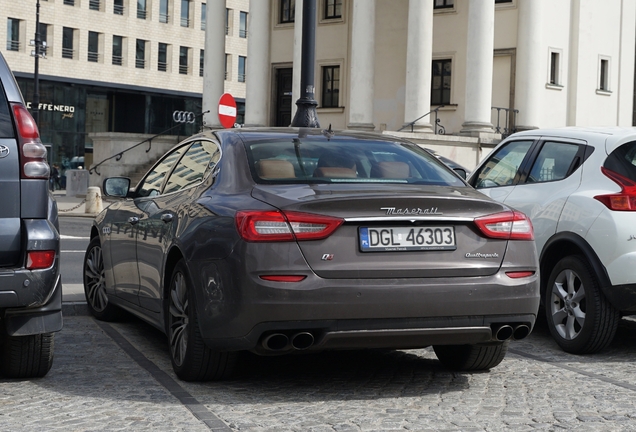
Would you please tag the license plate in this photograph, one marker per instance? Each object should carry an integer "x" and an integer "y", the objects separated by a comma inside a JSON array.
[{"x": 395, "y": 239}]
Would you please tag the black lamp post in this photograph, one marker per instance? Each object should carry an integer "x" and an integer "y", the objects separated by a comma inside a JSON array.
[
  {"x": 306, "y": 113},
  {"x": 35, "y": 108}
]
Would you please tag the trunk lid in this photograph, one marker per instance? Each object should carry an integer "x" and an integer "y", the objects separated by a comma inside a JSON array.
[{"x": 404, "y": 221}]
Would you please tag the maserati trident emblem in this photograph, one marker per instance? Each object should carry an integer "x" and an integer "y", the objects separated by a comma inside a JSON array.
[
  {"x": 410, "y": 211},
  {"x": 4, "y": 151}
]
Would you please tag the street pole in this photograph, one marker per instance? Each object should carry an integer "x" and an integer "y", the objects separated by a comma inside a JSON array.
[
  {"x": 35, "y": 109},
  {"x": 306, "y": 113}
]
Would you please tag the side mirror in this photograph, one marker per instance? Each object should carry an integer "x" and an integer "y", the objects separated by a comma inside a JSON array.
[
  {"x": 116, "y": 187},
  {"x": 461, "y": 172}
]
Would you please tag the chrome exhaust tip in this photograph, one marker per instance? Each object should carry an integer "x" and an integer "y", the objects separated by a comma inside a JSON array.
[
  {"x": 275, "y": 342},
  {"x": 521, "y": 332},
  {"x": 302, "y": 340},
  {"x": 504, "y": 333}
]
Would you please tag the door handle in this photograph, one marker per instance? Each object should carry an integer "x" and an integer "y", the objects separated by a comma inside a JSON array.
[
  {"x": 133, "y": 220},
  {"x": 167, "y": 217}
]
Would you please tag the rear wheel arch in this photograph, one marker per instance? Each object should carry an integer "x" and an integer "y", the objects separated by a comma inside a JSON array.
[
  {"x": 174, "y": 256},
  {"x": 565, "y": 244}
]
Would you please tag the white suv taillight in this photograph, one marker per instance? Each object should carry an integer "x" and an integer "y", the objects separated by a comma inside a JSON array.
[
  {"x": 625, "y": 200},
  {"x": 32, "y": 151}
]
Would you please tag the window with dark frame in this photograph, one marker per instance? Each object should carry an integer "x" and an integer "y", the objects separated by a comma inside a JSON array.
[
  {"x": 287, "y": 11},
  {"x": 333, "y": 9},
  {"x": 204, "y": 15},
  {"x": 94, "y": 5},
  {"x": 241, "y": 68},
  {"x": 201, "y": 62},
  {"x": 441, "y": 82},
  {"x": 67, "y": 42},
  {"x": 502, "y": 1},
  {"x": 554, "y": 68},
  {"x": 44, "y": 30},
  {"x": 330, "y": 86},
  {"x": 13, "y": 34},
  {"x": 183, "y": 60},
  {"x": 118, "y": 43},
  {"x": 118, "y": 7},
  {"x": 141, "y": 9},
  {"x": 227, "y": 21},
  {"x": 444, "y": 4},
  {"x": 163, "y": 12},
  {"x": 162, "y": 58},
  {"x": 604, "y": 75},
  {"x": 227, "y": 61},
  {"x": 243, "y": 25},
  {"x": 140, "y": 54},
  {"x": 185, "y": 13},
  {"x": 93, "y": 46}
]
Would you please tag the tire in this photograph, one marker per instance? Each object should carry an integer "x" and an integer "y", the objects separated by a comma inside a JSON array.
[
  {"x": 471, "y": 357},
  {"x": 580, "y": 318},
  {"x": 191, "y": 359},
  {"x": 26, "y": 356},
  {"x": 95, "y": 284}
]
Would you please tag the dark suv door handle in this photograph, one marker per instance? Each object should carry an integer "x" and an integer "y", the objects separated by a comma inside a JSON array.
[
  {"x": 167, "y": 217},
  {"x": 133, "y": 220}
]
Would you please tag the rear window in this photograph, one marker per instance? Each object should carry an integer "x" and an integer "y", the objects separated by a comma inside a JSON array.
[
  {"x": 623, "y": 161},
  {"x": 6, "y": 125},
  {"x": 346, "y": 161}
]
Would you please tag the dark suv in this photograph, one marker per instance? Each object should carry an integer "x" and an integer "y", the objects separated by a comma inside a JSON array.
[{"x": 30, "y": 283}]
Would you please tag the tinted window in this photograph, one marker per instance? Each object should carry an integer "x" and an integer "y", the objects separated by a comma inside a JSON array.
[
  {"x": 193, "y": 166},
  {"x": 502, "y": 167},
  {"x": 151, "y": 184},
  {"x": 553, "y": 162},
  {"x": 342, "y": 161},
  {"x": 6, "y": 126},
  {"x": 623, "y": 161}
]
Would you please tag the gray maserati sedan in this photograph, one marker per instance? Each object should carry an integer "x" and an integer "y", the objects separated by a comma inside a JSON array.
[{"x": 281, "y": 240}]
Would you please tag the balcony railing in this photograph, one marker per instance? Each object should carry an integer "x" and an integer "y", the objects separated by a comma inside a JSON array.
[
  {"x": 227, "y": 30},
  {"x": 243, "y": 33},
  {"x": 140, "y": 63},
  {"x": 69, "y": 2},
  {"x": 241, "y": 77},
  {"x": 117, "y": 60},
  {"x": 506, "y": 121},
  {"x": 185, "y": 22},
  {"x": 201, "y": 71},
  {"x": 13, "y": 45},
  {"x": 164, "y": 18},
  {"x": 94, "y": 4},
  {"x": 203, "y": 25},
  {"x": 162, "y": 67},
  {"x": 141, "y": 14},
  {"x": 67, "y": 53},
  {"x": 183, "y": 69},
  {"x": 118, "y": 9},
  {"x": 93, "y": 57}
]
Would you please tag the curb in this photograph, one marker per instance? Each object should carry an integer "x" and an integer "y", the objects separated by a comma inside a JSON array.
[{"x": 75, "y": 309}]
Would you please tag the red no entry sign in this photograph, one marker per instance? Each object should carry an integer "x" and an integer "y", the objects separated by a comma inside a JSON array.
[{"x": 227, "y": 110}]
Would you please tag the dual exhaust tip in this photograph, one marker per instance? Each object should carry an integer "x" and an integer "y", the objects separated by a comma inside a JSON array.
[
  {"x": 506, "y": 332},
  {"x": 280, "y": 341}
]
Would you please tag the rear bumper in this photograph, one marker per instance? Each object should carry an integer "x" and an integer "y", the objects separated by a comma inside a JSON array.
[
  {"x": 236, "y": 313},
  {"x": 45, "y": 318}
]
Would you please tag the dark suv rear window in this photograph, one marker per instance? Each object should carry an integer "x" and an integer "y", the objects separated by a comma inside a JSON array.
[
  {"x": 6, "y": 126},
  {"x": 623, "y": 161}
]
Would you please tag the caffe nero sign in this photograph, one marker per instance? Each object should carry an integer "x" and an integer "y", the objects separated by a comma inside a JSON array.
[{"x": 67, "y": 111}]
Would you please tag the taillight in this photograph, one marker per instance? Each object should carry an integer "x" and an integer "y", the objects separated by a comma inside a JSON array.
[
  {"x": 509, "y": 225},
  {"x": 272, "y": 226},
  {"x": 40, "y": 259},
  {"x": 32, "y": 151},
  {"x": 625, "y": 200},
  {"x": 519, "y": 274},
  {"x": 283, "y": 278}
]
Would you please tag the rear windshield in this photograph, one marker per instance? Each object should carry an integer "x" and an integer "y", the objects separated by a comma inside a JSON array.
[
  {"x": 346, "y": 161},
  {"x": 623, "y": 161},
  {"x": 6, "y": 126}
]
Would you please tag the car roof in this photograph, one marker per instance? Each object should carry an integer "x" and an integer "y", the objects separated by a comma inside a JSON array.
[{"x": 609, "y": 137}]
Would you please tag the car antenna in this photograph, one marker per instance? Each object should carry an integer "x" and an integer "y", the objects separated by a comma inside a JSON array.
[{"x": 328, "y": 133}]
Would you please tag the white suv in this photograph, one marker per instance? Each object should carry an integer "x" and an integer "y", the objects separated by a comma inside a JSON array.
[{"x": 578, "y": 185}]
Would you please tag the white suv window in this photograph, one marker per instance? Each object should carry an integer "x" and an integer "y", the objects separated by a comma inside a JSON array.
[
  {"x": 623, "y": 161},
  {"x": 503, "y": 166},
  {"x": 553, "y": 162}
]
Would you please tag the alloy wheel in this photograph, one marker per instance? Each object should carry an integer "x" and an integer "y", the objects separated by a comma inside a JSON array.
[
  {"x": 567, "y": 305},
  {"x": 94, "y": 279},
  {"x": 178, "y": 318}
]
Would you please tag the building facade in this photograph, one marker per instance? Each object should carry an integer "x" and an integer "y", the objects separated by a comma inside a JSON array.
[
  {"x": 119, "y": 66},
  {"x": 481, "y": 66}
]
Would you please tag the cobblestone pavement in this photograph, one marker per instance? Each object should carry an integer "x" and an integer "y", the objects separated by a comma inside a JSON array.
[{"x": 118, "y": 377}]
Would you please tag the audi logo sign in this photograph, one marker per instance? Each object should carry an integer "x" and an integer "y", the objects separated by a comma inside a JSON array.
[{"x": 183, "y": 116}]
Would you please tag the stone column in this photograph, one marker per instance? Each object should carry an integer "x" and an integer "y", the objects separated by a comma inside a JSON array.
[
  {"x": 298, "y": 54},
  {"x": 257, "y": 83},
  {"x": 419, "y": 57},
  {"x": 214, "y": 62},
  {"x": 479, "y": 63},
  {"x": 362, "y": 77},
  {"x": 530, "y": 77}
]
